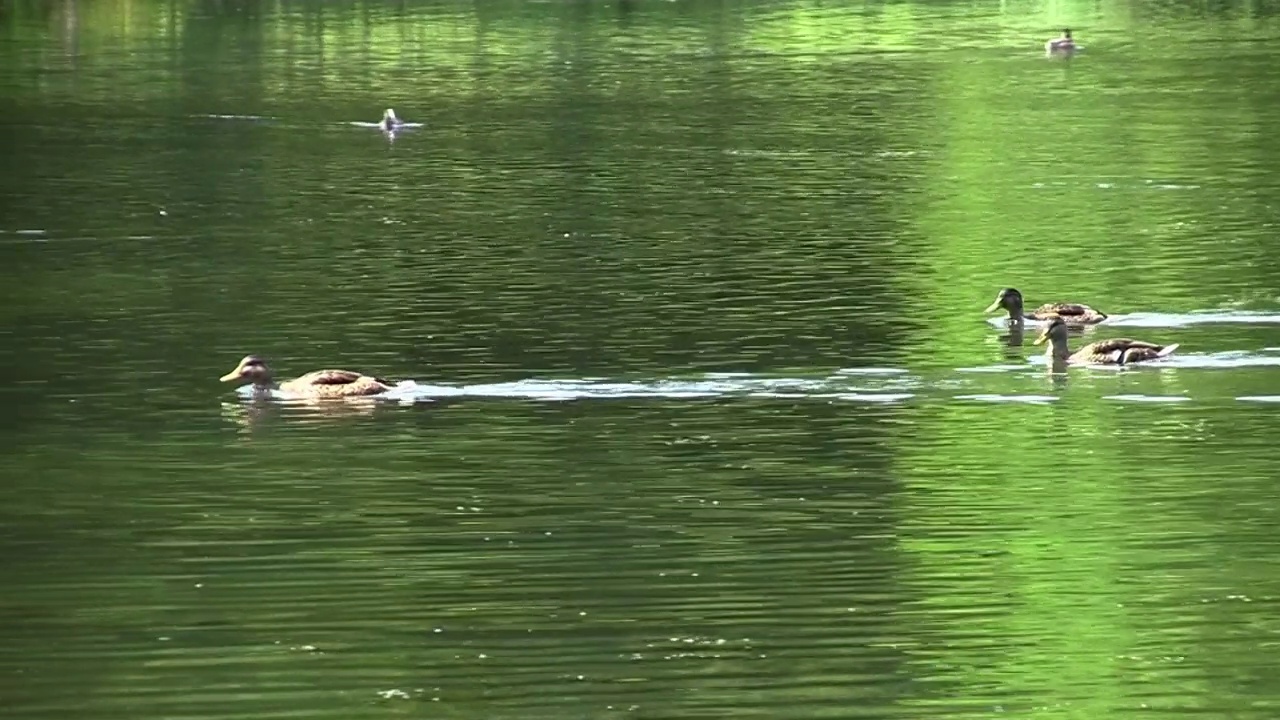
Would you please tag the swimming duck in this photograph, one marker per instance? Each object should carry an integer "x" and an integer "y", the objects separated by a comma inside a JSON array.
[
  {"x": 389, "y": 120},
  {"x": 1061, "y": 44},
  {"x": 1116, "y": 351},
  {"x": 318, "y": 384},
  {"x": 1076, "y": 313}
]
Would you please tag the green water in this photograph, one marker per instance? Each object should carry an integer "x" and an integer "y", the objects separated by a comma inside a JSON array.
[{"x": 708, "y": 421}]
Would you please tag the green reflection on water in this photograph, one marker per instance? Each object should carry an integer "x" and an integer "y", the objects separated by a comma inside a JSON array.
[{"x": 643, "y": 192}]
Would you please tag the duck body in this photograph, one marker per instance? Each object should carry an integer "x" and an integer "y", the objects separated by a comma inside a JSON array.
[
  {"x": 388, "y": 122},
  {"x": 1077, "y": 313},
  {"x": 1119, "y": 351},
  {"x": 1115, "y": 351},
  {"x": 335, "y": 383},
  {"x": 1061, "y": 44},
  {"x": 1074, "y": 313},
  {"x": 320, "y": 384}
]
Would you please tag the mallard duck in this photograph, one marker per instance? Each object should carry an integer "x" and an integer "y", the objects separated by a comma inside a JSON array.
[
  {"x": 318, "y": 384},
  {"x": 1064, "y": 43},
  {"x": 1116, "y": 351},
  {"x": 1074, "y": 313},
  {"x": 389, "y": 120}
]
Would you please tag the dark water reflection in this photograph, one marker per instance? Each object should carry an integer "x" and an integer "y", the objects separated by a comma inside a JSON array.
[{"x": 703, "y": 417}]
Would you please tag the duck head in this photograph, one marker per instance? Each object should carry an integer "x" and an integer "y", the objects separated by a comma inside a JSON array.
[
  {"x": 389, "y": 119},
  {"x": 251, "y": 369},
  {"x": 1056, "y": 333},
  {"x": 1009, "y": 299}
]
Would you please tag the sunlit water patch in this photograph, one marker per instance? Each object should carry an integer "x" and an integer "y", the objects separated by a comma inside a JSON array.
[
  {"x": 1003, "y": 368},
  {"x": 872, "y": 397},
  {"x": 1104, "y": 185}
]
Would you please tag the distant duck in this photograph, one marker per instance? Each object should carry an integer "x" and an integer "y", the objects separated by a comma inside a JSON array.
[
  {"x": 1063, "y": 44},
  {"x": 1075, "y": 313},
  {"x": 389, "y": 120},
  {"x": 1116, "y": 351},
  {"x": 318, "y": 384}
]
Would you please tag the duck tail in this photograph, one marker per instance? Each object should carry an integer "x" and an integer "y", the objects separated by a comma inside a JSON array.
[{"x": 1167, "y": 350}]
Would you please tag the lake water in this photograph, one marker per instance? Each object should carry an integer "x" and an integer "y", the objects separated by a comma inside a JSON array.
[{"x": 701, "y": 414}]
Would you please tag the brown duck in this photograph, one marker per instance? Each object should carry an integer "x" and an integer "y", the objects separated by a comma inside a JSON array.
[
  {"x": 1116, "y": 351},
  {"x": 318, "y": 384},
  {"x": 1074, "y": 313}
]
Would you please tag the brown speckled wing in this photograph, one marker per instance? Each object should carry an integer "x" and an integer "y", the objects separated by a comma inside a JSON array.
[
  {"x": 332, "y": 384},
  {"x": 1096, "y": 353},
  {"x": 328, "y": 377},
  {"x": 359, "y": 388},
  {"x": 1071, "y": 312},
  {"x": 1114, "y": 344},
  {"x": 1141, "y": 352},
  {"x": 1108, "y": 351}
]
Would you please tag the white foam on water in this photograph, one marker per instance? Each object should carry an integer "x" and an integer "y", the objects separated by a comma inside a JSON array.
[
  {"x": 874, "y": 385},
  {"x": 999, "y": 398},
  {"x": 1160, "y": 320}
]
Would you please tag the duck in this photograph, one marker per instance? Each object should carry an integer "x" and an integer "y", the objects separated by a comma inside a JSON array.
[
  {"x": 389, "y": 120},
  {"x": 1116, "y": 351},
  {"x": 1063, "y": 43},
  {"x": 1075, "y": 313},
  {"x": 318, "y": 384}
]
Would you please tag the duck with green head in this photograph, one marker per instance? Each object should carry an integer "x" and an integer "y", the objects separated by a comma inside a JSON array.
[{"x": 1074, "y": 313}]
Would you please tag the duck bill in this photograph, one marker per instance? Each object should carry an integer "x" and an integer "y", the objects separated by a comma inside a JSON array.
[
  {"x": 1040, "y": 340},
  {"x": 993, "y": 307},
  {"x": 230, "y": 377}
]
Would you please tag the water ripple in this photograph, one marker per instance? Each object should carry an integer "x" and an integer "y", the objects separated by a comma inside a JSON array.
[
  {"x": 705, "y": 422},
  {"x": 853, "y": 384},
  {"x": 1167, "y": 320}
]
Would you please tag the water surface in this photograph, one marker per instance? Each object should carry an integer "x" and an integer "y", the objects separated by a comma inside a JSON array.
[{"x": 701, "y": 416}]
